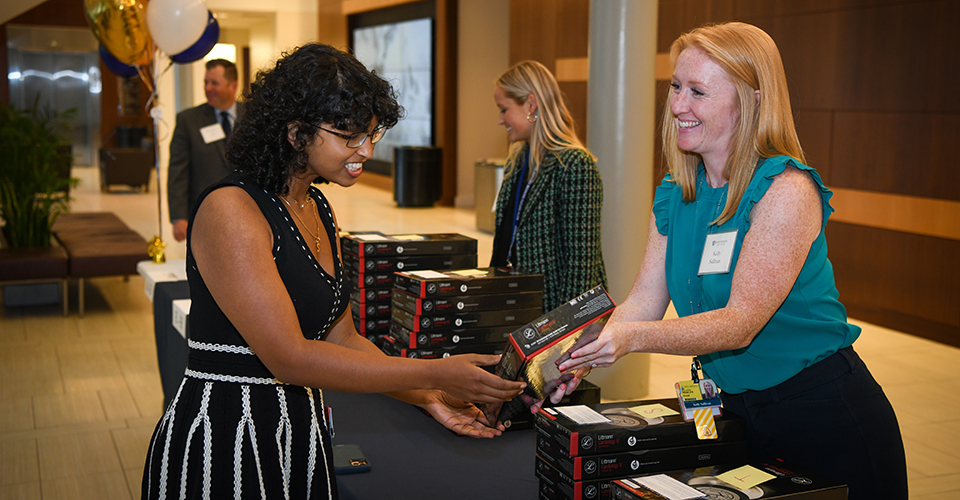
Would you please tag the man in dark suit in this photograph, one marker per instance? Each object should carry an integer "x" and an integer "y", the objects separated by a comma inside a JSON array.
[{"x": 198, "y": 147}]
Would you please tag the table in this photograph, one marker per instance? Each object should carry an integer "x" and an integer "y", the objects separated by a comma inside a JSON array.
[
  {"x": 153, "y": 273},
  {"x": 165, "y": 284},
  {"x": 172, "y": 350},
  {"x": 414, "y": 457}
]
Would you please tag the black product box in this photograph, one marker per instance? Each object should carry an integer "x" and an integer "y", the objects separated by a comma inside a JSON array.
[
  {"x": 370, "y": 326},
  {"x": 360, "y": 266},
  {"x": 450, "y": 338},
  {"x": 629, "y": 430},
  {"x": 556, "y": 485},
  {"x": 393, "y": 347},
  {"x": 465, "y": 281},
  {"x": 371, "y": 295},
  {"x": 370, "y": 310},
  {"x": 635, "y": 463},
  {"x": 483, "y": 319},
  {"x": 373, "y": 245},
  {"x": 790, "y": 481},
  {"x": 586, "y": 393},
  {"x": 367, "y": 280},
  {"x": 466, "y": 303},
  {"x": 533, "y": 350}
]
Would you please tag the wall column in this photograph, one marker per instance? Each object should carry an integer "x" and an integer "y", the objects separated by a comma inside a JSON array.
[{"x": 621, "y": 104}]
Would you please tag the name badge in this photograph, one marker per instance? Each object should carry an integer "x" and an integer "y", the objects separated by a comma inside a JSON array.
[
  {"x": 717, "y": 253},
  {"x": 212, "y": 133}
]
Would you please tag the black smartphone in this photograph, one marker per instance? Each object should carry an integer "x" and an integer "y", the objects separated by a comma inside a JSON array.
[{"x": 349, "y": 459}]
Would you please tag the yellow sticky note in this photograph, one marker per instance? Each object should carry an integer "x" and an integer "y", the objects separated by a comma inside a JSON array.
[
  {"x": 745, "y": 477},
  {"x": 653, "y": 411},
  {"x": 706, "y": 427}
]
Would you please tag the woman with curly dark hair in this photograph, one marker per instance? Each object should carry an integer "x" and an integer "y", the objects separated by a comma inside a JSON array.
[{"x": 269, "y": 320}]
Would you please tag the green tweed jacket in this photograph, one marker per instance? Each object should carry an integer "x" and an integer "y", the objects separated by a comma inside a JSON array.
[{"x": 559, "y": 230}]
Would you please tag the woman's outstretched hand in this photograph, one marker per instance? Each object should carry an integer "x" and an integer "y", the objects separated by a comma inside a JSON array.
[{"x": 459, "y": 416}]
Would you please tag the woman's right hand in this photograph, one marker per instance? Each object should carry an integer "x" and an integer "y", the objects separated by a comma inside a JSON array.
[{"x": 461, "y": 377}]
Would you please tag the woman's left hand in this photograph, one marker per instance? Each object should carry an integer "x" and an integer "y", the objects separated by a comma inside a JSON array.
[
  {"x": 459, "y": 416},
  {"x": 611, "y": 345}
]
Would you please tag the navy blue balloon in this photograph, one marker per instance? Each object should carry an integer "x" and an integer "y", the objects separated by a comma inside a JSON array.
[
  {"x": 114, "y": 65},
  {"x": 203, "y": 46}
]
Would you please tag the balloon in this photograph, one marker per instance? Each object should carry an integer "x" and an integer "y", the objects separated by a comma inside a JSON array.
[
  {"x": 203, "y": 46},
  {"x": 120, "y": 26},
  {"x": 176, "y": 24},
  {"x": 116, "y": 67}
]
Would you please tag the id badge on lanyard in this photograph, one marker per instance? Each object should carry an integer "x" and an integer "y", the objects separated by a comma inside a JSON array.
[{"x": 699, "y": 402}]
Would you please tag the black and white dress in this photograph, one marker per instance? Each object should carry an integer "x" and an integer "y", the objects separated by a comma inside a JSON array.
[{"x": 233, "y": 430}]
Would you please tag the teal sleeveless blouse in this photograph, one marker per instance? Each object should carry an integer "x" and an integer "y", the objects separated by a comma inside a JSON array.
[{"x": 810, "y": 325}]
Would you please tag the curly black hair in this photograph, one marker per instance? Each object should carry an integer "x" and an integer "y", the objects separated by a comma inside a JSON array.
[{"x": 311, "y": 85}]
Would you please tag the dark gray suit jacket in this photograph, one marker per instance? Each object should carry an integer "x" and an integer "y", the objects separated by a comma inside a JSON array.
[{"x": 194, "y": 165}]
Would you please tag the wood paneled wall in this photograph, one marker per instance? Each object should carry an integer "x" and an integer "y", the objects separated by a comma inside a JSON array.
[
  {"x": 556, "y": 33},
  {"x": 872, "y": 89}
]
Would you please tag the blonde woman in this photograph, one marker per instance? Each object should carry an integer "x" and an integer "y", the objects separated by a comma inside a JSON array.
[
  {"x": 737, "y": 243},
  {"x": 548, "y": 208}
]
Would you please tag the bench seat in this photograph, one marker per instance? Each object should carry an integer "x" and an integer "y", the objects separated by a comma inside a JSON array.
[{"x": 99, "y": 244}]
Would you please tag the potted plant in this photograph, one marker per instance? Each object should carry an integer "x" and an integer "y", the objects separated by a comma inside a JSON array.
[{"x": 33, "y": 189}]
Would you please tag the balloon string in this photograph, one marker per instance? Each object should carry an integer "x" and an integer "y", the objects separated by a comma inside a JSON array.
[
  {"x": 146, "y": 79},
  {"x": 156, "y": 142},
  {"x": 153, "y": 95}
]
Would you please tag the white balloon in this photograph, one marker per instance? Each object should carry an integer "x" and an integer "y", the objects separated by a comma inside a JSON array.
[{"x": 176, "y": 25}]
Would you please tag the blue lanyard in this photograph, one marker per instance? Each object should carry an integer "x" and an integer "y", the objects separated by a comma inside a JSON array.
[{"x": 517, "y": 206}]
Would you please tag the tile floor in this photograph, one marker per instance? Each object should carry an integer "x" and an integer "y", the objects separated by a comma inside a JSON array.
[{"x": 79, "y": 397}]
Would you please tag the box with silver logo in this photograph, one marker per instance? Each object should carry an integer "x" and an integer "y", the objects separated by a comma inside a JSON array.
[
  {"x": 476, "y": 281},
  {"x": 533, "y": 350},
  {"x": 631, "y": 425},
  {"x": 377, "y": 245}
]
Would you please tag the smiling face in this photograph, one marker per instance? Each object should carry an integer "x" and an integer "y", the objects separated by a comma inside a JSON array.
[
  {"x": 705, "y": 107},
  {"x": 330, "y": 158},
  {"x": 220, "y": 91},
  {"x": 513, "y": 116}
]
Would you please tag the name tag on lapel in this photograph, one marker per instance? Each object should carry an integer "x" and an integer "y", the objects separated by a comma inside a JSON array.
[{"x": 212, "y": 133}]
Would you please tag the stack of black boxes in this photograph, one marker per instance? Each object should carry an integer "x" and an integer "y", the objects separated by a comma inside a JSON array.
[
  {"x": 767, "y": 479},
  {"x": 580, "y": 450},
  {"x": 371, "y": 258},
  {"x": 437, "y": 314}
]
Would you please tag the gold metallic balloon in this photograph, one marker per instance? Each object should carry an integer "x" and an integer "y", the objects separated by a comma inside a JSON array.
[{"x": 121, "y": 27}]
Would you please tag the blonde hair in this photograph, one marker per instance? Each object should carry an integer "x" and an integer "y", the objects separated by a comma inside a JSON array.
[
  {"x": 752, "y": 61},
  {"x": 554, "y": 129}
]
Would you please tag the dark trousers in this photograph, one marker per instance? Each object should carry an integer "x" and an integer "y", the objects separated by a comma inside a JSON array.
[{"x": 832, "y": 418}]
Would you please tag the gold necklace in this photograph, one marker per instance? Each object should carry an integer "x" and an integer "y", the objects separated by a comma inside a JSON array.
[{"x": 316, "y": 237}]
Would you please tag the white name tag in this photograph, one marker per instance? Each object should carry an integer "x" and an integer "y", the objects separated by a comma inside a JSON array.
[
  {"x": 717, "y": 253},
  {"x": 212, "y": 133}
]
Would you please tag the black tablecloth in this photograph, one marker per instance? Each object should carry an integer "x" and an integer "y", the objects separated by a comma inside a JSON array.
[
  {"x": 172, "y": 350},
  {"x": 414, "y": 457}
]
